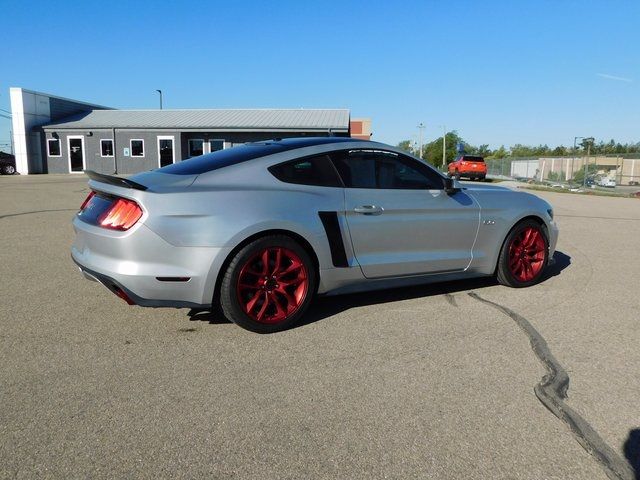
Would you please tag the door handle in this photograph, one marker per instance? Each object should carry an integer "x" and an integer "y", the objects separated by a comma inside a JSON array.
[{"x": 369, "y": 210}]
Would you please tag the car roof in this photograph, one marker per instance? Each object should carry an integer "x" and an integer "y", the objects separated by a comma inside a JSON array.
[
  {"x": 248, "y": 151},
  {"x": 301, "y": 142}
]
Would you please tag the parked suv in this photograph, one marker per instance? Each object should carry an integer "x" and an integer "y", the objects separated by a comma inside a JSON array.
[
  {"x": 7, "y": 164},
  {"x": 470, "y": 166}
]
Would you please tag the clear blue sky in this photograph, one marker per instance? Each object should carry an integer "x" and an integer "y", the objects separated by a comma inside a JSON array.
[{"x": 499, "y": 72}]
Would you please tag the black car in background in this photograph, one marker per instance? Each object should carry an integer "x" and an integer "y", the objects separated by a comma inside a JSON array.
[{"x": 7, "y": 164}]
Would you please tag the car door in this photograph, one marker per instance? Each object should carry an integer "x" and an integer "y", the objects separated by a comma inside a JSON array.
[{"x": 400, "y": 219}]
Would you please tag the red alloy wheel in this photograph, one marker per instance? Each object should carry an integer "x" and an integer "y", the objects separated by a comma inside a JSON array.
[
  {"x": 272, "y": 285},
  {"x": 527, "y": 254}
]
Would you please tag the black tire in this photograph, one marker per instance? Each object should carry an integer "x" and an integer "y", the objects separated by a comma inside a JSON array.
[
  {"x": 8, "y": 169},
  {"x": 508, "y": 256},
  {"x": 230, "y": 300}
]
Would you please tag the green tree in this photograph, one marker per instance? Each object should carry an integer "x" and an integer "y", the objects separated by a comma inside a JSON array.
[
  {"x": 560, "y": 151},
  {"x": 500, "y": 152},
  {"x": 578, "y": 177},
  {"x": 432, "y": 152},
  {"x": 406, "y": 146}
]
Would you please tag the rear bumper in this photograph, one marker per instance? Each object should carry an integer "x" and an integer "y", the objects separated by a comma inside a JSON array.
[
  {"x": 149, "y": 270},
  {"x": 473, "y": 174},
  {"x": 128, "y": 296}
]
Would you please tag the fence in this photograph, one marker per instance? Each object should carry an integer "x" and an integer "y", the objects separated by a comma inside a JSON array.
[{"x": 625, "y": 171}]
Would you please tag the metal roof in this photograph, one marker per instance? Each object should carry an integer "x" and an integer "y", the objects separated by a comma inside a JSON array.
[{"x": 255, "y": 119}]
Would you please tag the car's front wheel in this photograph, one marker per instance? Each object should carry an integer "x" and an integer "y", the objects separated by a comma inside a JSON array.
[
  {"x": 268, "y": 284},
  {"x": 523, "y": 256}
]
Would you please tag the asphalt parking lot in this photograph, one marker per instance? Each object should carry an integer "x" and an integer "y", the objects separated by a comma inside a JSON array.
[{"x": 426, "y": 382}]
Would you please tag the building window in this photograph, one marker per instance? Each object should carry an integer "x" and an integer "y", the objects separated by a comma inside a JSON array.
[
  {"x": 137, "y": 148},
  {"x": 106, "y": 148},
  {"x": 196, "y": 147},
  {"x": 215, "y": 145},
  {"x": 53, "y": 147}
]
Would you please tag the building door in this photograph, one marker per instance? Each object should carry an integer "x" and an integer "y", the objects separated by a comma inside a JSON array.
[
  {"x": 76, "y": 154},
  {"x": 165, "y": 151}
]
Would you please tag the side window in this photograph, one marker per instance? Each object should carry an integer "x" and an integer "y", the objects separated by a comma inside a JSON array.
[
  {"x": 384, "y": 170},
  {"x": 307, "y": 171},
  {"x": 405, "y": 173},
  {"x": 357, "y": 168}
]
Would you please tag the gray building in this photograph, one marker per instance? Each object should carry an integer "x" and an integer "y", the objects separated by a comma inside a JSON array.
[{"x": 111, "y": 141}]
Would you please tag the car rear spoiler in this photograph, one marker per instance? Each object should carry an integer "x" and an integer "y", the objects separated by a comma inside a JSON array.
[{"x": 117, "y": 181}]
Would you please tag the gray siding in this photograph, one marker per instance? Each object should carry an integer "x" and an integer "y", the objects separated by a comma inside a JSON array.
[
  {"x": 128, "y": 165},
  {"x": 92, "y": 153},
  {"x": 119, "y": 164},
  {"x": 92, "y": 158}
]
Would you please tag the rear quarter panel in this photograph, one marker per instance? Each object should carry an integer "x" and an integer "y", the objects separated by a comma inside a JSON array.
[{"x": 224, "y": 207}]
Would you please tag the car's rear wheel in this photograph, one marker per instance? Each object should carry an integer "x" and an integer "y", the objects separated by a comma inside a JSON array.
[
  {"x": 8, "y": 169},
  {"x": 268, "y": 285},
  {"x": 523, "y": 256}
]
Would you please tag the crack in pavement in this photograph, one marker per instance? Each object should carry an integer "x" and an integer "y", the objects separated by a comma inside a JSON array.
[
  {"x": 451, "y": 300},
  {"x": 38, "y": 211},
  {"x": 552, "y": 391}
]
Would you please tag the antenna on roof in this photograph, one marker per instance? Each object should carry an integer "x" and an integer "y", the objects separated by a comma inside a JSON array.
[{"x": 331, "y": 134}]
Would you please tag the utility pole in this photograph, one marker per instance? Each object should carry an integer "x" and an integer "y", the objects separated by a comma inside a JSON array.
[
  {"x": 160, "y": 92},
  {"x": 574, "y": 153},
  {"x": 444, "y": 146},
  {"x": 421, "y": 127},
  {"x": 589, "y": 141}
]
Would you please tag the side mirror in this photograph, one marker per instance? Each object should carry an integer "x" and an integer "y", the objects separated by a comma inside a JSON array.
[{"x": 450, "y": 186}]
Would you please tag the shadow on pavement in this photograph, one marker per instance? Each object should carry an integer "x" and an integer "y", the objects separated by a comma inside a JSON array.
[
  {"x": 632, "y": 451},
  {"x": 325, "y": 307}
]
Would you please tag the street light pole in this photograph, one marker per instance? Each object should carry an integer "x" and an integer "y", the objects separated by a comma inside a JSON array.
[
  {"x": 421, "y": 127},
  {"x": 160, "y": 92}
]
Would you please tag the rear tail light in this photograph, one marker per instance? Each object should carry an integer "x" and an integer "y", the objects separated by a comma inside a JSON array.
[
  {"x": 87, "y": 200},
  {"x": 122, "y": 215}
]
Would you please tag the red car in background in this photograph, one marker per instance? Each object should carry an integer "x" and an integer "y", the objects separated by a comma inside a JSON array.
[{"x": 470, "y": 166}]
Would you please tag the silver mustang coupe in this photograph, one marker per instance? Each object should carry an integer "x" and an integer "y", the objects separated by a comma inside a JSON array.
[{"x": 259, "y": 229}]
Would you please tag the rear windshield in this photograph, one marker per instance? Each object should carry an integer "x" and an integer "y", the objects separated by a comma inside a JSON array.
[
  {"x": 223, "y": 158},
  {"x": 469, "y": 158},
  {"x": 243, "y": 153}
]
